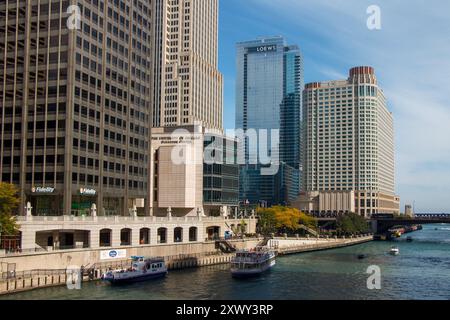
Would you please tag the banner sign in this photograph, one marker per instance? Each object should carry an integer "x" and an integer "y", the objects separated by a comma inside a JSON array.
[{"x": 113, "y": 254}]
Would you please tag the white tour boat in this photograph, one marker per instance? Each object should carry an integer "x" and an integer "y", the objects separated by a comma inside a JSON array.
[
  {"x": 141, "y": 269},
  {"x": 248, "y": 263}
]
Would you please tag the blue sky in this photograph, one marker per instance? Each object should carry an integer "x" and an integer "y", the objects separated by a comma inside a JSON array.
[{"x": 411, "y": 56}]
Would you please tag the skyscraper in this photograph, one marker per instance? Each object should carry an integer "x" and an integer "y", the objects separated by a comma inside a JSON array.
[
  {"x": 349, "y": 140},
  {"x": 188, "y": 87},
  {"x": 76, "y": 101},
  {"x": 75, "y": 104},
  {"x": 268, "y": 97}
]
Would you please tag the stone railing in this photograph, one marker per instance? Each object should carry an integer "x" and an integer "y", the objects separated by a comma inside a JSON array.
[{"x": 120, "y": 219}]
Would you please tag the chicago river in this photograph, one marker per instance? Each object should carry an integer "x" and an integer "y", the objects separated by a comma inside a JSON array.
[{"x": 419, "y": 272}]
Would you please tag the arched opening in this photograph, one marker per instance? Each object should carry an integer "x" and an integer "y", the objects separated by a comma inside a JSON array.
[
  {"x": 144, "y": 236},
  {"x": 193, "y": 234},
  {"x": 213, "y": 233},
  {"x": 178, "y": 235},
  {"x": 162, "y": 235},
  {"x": 105, "y": 237},
  {"x": 125, "y": 237}
]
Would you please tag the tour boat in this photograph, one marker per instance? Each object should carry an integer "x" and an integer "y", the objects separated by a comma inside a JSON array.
[
  {"x": 248, "y": 263},
  {"x": 141, "y": 269},
  {"x": 394, "y": 251}
]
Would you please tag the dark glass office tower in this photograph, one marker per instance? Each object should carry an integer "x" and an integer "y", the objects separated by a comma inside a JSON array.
[
  {"x": 75, "y": 104},
  {"x": 268, "y": 97}
]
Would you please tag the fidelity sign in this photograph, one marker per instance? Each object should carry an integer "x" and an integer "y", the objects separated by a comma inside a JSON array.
[
  {"x": 42, "y": 190},
  {"x": 261, "y": 49},
  {"x": 88, "y": 192}
]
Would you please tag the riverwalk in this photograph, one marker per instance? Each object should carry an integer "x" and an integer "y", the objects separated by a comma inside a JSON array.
[
  {"x": 18, "y": 281},
  {"x": 289, "y": 246}
]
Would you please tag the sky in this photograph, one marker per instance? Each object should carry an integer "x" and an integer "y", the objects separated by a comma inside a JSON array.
[{"x": 411, "y": 57}]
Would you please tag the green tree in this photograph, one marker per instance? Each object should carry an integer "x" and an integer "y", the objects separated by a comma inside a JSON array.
[
  {"x": 9, "y": 201},
  {"x": 308, "y": 221},
  {"x": 352, "y": 224},
  {"x": 266, "y": 220},
  {"x": 283, "y": 219}
]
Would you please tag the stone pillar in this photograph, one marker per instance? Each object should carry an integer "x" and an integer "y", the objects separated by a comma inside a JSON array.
[
  {"x": 170, "y": 234},
  {"x": 186, "y": 234},
  {"x": 199, "y": 214},
  {"x": 135, "y": 236},
  {"x": 28, "y": 210},
  {"x": 134, "y": 211},
  {"x": 169, "y": 213},
  {"x": 94, "y": 238},
  {"x": 224, "y": 211},
  {"x": 94, "y": 210},
  {"x": 115, "y": 237},
  {"x": 56, "y": 240},
  {"x": 154, "y": 235},
  {"x": 28, "y": 238}
]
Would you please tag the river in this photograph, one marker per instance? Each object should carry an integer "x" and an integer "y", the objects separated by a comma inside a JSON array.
[{"x": 421, "y": 271}]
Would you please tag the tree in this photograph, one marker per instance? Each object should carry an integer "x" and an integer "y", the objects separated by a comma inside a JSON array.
[
  {"x": 9, "y": 201},
  {"x": 288, "y": 219},
  {"x": 352, "y": 224},
  {"x": 308, "y": 221},
  {"x": 283, "y": 219},
  {"x": 266, "y": 220}
]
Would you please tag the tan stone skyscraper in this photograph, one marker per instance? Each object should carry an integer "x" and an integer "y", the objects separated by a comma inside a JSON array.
[
  {"x": 349, "y": 141},
  {"x": 188, "y": 87}
]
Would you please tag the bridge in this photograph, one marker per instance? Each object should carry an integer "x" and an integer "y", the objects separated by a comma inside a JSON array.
[{"x": 383, "y": 224}]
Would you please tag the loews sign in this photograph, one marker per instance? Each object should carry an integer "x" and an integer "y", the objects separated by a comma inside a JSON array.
[{"x": 261, "y": 49}]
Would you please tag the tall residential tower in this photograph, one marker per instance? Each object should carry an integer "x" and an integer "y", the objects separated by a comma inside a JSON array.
[
  {"x": 268, "y": 97},
  {"x": 349, "y": 140}
]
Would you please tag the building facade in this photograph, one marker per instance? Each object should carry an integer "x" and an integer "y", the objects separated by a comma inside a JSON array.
[
  {"x": 268, "y": 97},
  {"x": 195, "y": 172},
  {"x": 326, "y": 203},
  {"x": 79, "y": 81},
  {"x": 188, "y": 87},
  {"x": 349, "y": 141},
  {"x": 76, "y": 104}
]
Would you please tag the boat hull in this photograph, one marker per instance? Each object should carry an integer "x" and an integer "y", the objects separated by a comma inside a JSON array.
[
  {"x": 135, "y": 278},
  {"x": 251, "y": 273}
]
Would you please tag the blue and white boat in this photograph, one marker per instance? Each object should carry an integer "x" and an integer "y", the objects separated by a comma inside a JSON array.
[
  {"x": 250, "y": 263},
  {"x": 141, "y": 269}
]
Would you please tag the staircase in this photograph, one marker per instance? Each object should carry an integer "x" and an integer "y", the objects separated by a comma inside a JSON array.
[
  {"x": 225, "y": 246},
  {"x": 309, "y": 230},
  {"x": 264, "y": 242}
]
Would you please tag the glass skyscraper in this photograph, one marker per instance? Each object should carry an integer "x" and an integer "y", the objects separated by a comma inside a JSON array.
[{"x": 268, "y": 97}]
